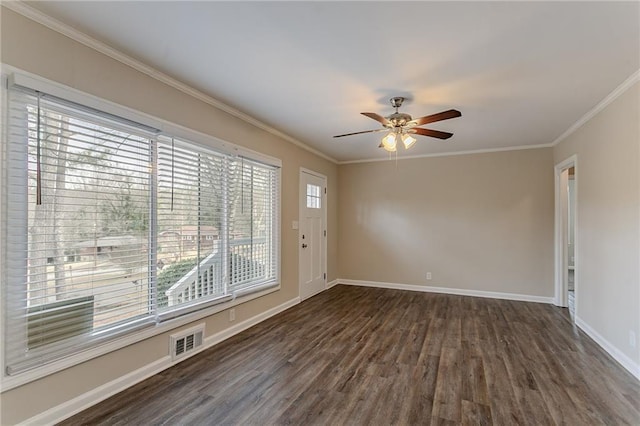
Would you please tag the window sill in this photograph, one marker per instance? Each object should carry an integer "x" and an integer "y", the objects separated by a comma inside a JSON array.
[{"x": 11, "y": 382}]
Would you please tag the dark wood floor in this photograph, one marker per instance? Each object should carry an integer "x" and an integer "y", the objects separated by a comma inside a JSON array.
[{"x": 355, "y": 355}]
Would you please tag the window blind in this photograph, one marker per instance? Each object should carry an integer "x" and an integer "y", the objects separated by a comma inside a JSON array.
[
  {"x": 78, "y": 228},
  {"x": 252, "y": 225},
  {"x": 112, "y": 226},
  {"x": 192, "y": 187}
]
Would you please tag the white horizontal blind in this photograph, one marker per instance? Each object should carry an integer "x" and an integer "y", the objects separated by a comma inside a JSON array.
[
  {"x": 112, "y": 226},
  {"x": 252, "y": 224},
  {"x": 78, "y": 228},
  {"x": 191, "y": 224}
]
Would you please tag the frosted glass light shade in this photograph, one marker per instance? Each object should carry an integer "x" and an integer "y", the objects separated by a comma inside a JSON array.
[
  {"x": 408, "y": 141},
  {"x": 389, "y": 142}
]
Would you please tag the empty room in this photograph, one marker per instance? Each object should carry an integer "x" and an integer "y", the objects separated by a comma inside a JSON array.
[{"x": 329, "y": 213}]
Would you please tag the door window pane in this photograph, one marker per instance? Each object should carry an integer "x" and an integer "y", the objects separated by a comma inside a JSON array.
[{"x": 313, "y": 197}]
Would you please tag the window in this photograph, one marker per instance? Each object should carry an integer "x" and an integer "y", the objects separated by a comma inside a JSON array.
[
  {"x": 112, "y": 226},
  {"x": 314, "y": 197}
]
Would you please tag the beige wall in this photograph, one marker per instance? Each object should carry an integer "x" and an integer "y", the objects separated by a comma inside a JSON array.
[
  {"x": 476, "y": 222},
  {"x": 39, "y": 50},
  {"x": 608, "y": 220}
]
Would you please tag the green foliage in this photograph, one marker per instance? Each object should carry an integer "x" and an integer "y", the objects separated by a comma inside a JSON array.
[{"x": 170, "y": 275}]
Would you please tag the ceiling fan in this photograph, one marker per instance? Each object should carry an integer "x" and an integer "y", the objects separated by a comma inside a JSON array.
[{"x": 401, "y": 126}]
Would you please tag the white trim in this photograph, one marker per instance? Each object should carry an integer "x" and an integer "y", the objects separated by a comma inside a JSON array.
[
  {"x": 314, "y": 293},
  {"x": 449, "y": 154},
  {"x": 88, "y": 399},
  {"x": 622, "y": 88},
  {"x": 302, "y": 197},
  {"x": 55, "y": 25},
  {"x": 167, "y": 128},
  {"x": 64, "y": 29},
  {"x": 313, "y": 173},
  {"x": 629, "y": 364},
  {"x": 36, "y": 82},
  {"x": 332, "y": 284},
  {"x": 4, "y": 135},
  {"x": 447, "y": 290},
  {"x": 615, "y": 94},
  {"x": 248, "y": 323},
  {"x": 10, "y": 382},
  {"x": 96, "y": 395},
  {"x": 560, "y": 292}
]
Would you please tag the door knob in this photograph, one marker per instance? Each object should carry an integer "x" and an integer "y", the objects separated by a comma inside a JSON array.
[{"x": 304, "y": 246}]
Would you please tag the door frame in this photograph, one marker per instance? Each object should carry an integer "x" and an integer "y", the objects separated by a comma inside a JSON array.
[
  {"x": 302, "y": 197},
  {"x": 561, "y": 238}
]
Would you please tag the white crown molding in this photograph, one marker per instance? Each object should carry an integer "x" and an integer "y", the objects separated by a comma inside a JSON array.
[
  {"x": 447, "y": 290},
  {"x": 633, "y": 78},
  {"x": 35, "y": 15},
  {"x": 449, "y": 154}
]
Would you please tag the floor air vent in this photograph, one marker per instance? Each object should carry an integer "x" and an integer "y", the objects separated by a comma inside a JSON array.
[{"x": 186, "y": 342}]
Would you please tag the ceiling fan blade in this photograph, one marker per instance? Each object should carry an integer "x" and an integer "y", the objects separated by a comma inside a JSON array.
[
  {"x": 378, "y": 118},
  {"x": 444, "y": 115},
  {"x": 433, "y": 133},
  {"x": 365, "y": 131}
]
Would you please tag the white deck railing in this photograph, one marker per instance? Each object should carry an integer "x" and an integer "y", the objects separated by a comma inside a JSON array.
[{"x": 207, "y": 278}]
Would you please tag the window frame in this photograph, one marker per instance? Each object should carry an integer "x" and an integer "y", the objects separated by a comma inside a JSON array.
[{"x": 164, "y": 323}]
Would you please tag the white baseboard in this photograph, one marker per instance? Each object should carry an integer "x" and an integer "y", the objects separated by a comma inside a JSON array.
[
  {"x": 241, "y": 326},
  {"x": 446, "y": 290},
  {"x": 630, "y": 365},
  {"x": 624, "y": 360},
  {"x": 332, "y": 283},
  {"x": 86, "y": 400},
  {"x": 96, "y": 395}
]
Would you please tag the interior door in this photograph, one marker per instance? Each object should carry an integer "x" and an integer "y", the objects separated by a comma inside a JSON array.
[{"x": 312, "y": 234}]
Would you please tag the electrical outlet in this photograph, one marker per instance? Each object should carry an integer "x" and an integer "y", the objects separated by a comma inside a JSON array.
[
  {"x": 232, "y": 315},
  {"x": 632, "y": 339},
  {"x": 428, "y": 275}
]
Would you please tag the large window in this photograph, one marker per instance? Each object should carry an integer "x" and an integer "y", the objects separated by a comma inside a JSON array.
[{"x": 111, "y": 226}]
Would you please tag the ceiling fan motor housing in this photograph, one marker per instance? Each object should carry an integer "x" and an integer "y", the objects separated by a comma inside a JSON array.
[
  {"x": 397, "y": 101},
  {"x": 399, "y": 119}
]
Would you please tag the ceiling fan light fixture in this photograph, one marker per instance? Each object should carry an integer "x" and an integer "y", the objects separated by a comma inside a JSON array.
[
  {"x": 401, "y": 127},
  {"x": 408, "y": 140},
  {"x": 389, "y": 142}
]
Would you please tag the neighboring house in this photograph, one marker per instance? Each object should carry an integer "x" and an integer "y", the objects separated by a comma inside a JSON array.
[
  {"x": 113, "y": 246},
  {"x": 186, "y": 238}
]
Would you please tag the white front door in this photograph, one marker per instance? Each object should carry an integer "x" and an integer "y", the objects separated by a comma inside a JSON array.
[{"x": 312, "y": 234}]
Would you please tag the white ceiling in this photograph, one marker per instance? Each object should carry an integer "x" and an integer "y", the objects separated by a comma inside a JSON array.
[{"x": 521, "y": 73}]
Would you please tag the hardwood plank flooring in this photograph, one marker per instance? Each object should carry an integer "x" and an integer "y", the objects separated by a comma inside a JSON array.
[{"x": 356, "y": 355}]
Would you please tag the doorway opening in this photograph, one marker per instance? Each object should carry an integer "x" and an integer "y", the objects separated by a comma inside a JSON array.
[{"x": 566, "y": 284}]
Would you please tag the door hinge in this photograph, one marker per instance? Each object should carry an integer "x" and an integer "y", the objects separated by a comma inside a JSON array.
[
  {"x": 325, "y": 232},
  {"x": 325, "y": 189},
  {"x": 325, "y": 276}
]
